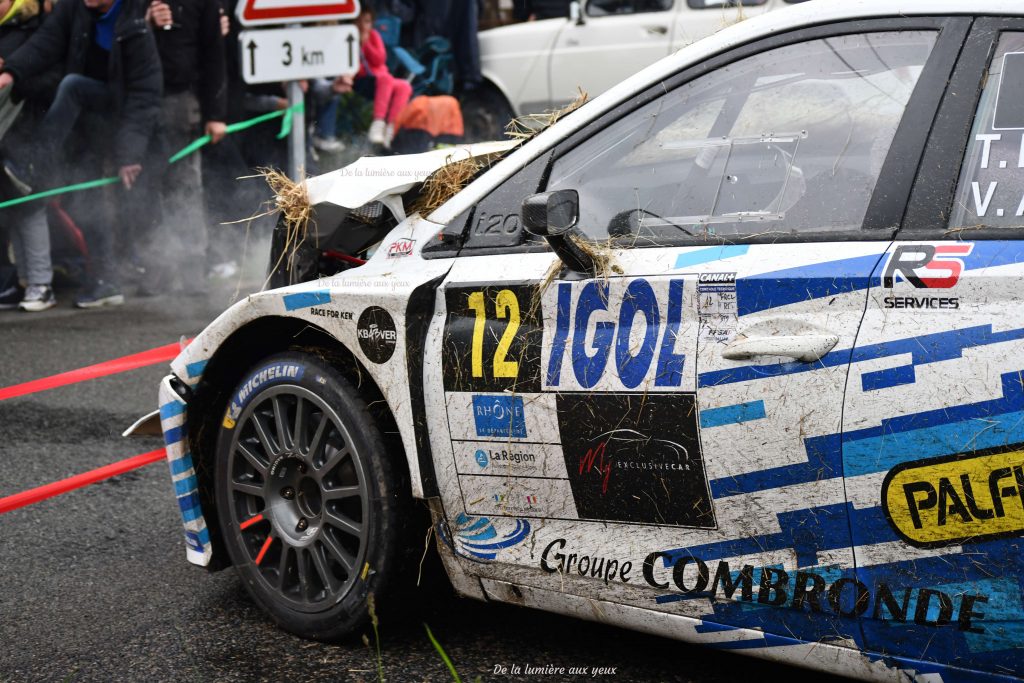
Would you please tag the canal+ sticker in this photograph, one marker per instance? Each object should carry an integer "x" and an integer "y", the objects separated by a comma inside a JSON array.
[
  {"x": 268, "y": 374},
  {"x": 956, "y": 498}
]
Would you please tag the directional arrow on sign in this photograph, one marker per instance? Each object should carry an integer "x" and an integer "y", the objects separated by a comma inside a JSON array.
[
  {"x": 350, "y": 40},
  {"x": 252, "y": 57}
]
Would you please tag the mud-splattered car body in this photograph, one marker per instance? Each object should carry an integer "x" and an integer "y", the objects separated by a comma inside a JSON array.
[{"x": 801, "y": 443}]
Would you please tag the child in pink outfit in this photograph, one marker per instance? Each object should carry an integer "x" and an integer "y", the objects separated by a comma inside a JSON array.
[{"x": 390, "y": 94}]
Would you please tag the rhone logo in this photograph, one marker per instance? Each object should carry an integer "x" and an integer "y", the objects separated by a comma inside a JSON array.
[{"x": 926, "y": 265}]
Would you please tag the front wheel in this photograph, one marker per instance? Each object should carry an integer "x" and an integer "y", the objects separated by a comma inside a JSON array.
[{"x": 309, "y": 504}]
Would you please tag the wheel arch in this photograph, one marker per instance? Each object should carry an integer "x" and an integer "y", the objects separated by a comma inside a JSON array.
[
  {"x": 492, "y": 82},
  {"x": 239, "y": 352}
]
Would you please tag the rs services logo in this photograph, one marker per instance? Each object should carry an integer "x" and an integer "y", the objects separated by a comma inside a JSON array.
[{"x": 926, "y": 265}]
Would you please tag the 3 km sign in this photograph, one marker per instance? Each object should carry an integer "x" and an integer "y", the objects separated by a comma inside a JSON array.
[
  {"x": 261, "y": 12},
  {"x": 292, "y": 54}
]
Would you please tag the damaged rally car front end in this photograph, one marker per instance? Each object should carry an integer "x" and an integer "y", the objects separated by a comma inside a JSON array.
[{"x": 731, "y": 354}]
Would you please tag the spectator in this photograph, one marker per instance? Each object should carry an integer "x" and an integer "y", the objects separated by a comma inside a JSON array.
[
  {"x": 390, "y": 94},
  {"x": 29, "y": 233},
  {"x": 113, "y": 70},
  {"x": 192, "y": 54}
]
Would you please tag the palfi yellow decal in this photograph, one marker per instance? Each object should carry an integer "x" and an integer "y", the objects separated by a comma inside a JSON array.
[{"x": 956, "y": 498}]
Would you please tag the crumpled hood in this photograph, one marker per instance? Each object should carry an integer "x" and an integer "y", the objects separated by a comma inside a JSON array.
[{"x": 376, "y": 178}]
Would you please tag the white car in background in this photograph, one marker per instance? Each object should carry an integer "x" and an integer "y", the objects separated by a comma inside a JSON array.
[{"x": 537, "y": 66}]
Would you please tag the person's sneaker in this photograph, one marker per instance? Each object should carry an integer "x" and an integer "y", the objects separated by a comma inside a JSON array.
[
  {"x": 378, "y": 132},
  {"x": 18, "y": 176},
  {"x": 100, "y": 294},
  {"x": 11, "y": 297},
  {"x": 38, "y": 298},
  {"x": 328, "y": 144}
]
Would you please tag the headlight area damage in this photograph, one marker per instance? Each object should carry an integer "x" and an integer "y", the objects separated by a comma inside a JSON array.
[
  {"x": 357, "y": 216},
  {"x": 353, "y": 208}
]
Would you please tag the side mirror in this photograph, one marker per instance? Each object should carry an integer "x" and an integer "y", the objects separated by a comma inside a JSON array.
[
  {"x": 551, "y": 213},
  {"x": 576, "y": 12},
  {"x": 553, "y": 216}
]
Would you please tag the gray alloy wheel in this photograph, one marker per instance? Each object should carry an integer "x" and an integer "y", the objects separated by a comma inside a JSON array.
[{"x": 302, "y": 495}]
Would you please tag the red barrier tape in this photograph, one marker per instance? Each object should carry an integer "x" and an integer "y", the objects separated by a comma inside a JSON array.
[
  {"x": 35, "y": 495},
  {"x": 161, "y": 354}
]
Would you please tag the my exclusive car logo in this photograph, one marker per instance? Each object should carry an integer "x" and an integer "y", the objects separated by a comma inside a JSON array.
[
  {"x": 956, "y": 498},
  {"x": 376, "y": 334},
  {"x": 908, "y": 259}
]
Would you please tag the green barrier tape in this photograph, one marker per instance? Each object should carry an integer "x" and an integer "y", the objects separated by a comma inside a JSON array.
[
  {"x": 60, "y": 190},
  {"x": 194, "y": 146}
]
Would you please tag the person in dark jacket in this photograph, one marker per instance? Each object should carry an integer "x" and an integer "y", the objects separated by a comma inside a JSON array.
[
  {"x": 113, "y": 69},
  {"x": 192, "y": 53}
]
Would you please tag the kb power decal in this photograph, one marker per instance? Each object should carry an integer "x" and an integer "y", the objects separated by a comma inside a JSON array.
[
  {"x": 376, "y": 333},
  {"x": 957, "y": 498},
  {"x": 635, "y": 458}
]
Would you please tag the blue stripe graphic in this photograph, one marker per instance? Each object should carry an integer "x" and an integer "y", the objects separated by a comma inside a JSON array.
[
  {"x": 299, "y": 300},
  {"x": 181, "y": 465},
  {"x": 172, "y": 409},
  {"x": 174, "y": 435},
  {"x": 698, "y": 256},
  {"x": 803, "y": 283},
  {"x": 184, "y": 486},
  {"x": 196, "y": 369},
  {"x": 741, "y": 412},
  {"x": 928, "y": 348},
  {"x": 890, "y": 377}
]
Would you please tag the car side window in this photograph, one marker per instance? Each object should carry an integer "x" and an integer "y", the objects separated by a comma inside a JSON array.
[
  {"x": 790, "y": 140},
  {"x": 602, "y": 8},
  {"x": 990, "y": 192}
]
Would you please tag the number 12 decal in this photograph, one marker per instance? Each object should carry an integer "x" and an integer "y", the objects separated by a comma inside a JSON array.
[
  {"x": 492, "y": 338},
  {"x": 506, "y": 305}
]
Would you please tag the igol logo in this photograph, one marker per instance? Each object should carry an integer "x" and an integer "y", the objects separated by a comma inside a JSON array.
[
  {"x": 376, "y": 334},
  {"x": 481, "y": 458}
]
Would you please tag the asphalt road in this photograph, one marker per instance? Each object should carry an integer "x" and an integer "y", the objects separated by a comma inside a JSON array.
[{"x": 94, "y": 585}]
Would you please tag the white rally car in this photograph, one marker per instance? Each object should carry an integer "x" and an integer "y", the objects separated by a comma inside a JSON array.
[{"x": 732, "y": 354}]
